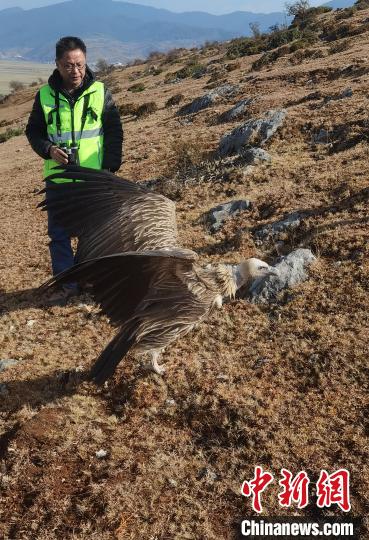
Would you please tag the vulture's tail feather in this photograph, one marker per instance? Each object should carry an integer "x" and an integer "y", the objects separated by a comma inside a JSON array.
[{"x": 109, "y": 359}]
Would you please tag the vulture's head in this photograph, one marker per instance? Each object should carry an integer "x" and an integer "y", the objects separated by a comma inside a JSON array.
[{"x": 248, "y": 271}]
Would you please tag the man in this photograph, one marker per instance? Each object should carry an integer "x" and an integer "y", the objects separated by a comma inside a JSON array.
[{"x": 73, "y": 115}]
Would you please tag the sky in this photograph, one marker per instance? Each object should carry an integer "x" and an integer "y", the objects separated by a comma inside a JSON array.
[{"x": 216, "y": 7}]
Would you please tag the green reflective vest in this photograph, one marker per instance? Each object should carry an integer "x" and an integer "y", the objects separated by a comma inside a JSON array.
[{"x": 80, "y": 124}]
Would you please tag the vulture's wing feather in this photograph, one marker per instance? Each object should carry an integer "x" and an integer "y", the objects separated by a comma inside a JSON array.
[
  {"x": 123, "y": 281},
  {"x": 110, "y": 214}
]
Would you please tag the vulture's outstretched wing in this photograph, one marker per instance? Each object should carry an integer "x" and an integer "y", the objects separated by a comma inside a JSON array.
[
  {"x": 110, "y": 214},
  {"x": 124, "y": 282}
]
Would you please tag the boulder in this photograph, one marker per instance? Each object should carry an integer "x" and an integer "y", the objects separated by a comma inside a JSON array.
[
  {"x": 255, "y": 155},
  {"x": 238, "y": 110},
  {"x": 291, "y": 221},
  {"x": 290, "y": 271},
  {"x": 251, "y": 132},
  {"x": 218, "y": 215},
  {"x": 207, "y": 100},
  {"x": 4, "y": 364}
]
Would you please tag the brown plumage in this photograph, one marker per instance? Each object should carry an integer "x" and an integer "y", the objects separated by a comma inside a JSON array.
[{"x": 152, "y": 289}]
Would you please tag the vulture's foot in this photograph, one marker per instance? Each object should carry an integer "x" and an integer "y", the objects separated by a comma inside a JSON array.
[{"x": 160, "y": 370}]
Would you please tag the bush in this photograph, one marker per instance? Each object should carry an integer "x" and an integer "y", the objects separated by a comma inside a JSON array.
[
  {"x": 232, "y": 66},
  {"x": 9, "y": 133},
  {"x": 15, "y": 86},
  {"x": 346, "y": 13},
  {"x": 185, "y": 156},
  {"x": 244, "y": 47},
  {"x": 102, "y": 65},
  {"x": 362, "y": 4},
  {"x": 146, "y": 108},
  {"x": 127, "y": 109},
  {"x": 154, "y": 56},
  {"x": 173, "y": 55},
  {"x": 192, "y": 69},
  {"x": 138, "y": 87},
  {"x": 33, "y": 83},
  {"x": 282, "y": 37},
  {"x": 339, "y": 46},
  {"x": 174, "y": 100}
]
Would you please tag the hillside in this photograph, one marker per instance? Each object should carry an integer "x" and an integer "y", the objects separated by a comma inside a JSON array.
[{"x": 280, "y": 385}]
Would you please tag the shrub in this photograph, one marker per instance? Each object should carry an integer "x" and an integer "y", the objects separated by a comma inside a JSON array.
[
  {"x": 9, "y": 133},
  {"x": 102, "y": 65},
  {"x": 339, "y": 46},
  {"x": 232, "y": 66},
  {"x": 33, "y": 83},
  {"x": 138, "y": 87},
  {"x": 15, "y": 86},
  {"x": 185, "y": 156},
  {"x": 270, "y": 57},
  {"x": 362, "y": 4},
  {"x": 127, "y": 109},
  {"x": 174, "y": 100},
  {"x": 173, "y": 55},
  {"x": 192, "y": 69},
  {"x": 135, "y": 62},
  {"x": 154, "y": 56},
  {"x": 244, "y": 47},
  {"x": 281, "y": 37},
  {"x": 346, "y": 13},
  {"x": 146, "y": 108}
]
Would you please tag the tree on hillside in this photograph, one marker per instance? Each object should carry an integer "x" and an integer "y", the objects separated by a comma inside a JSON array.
[
  {"x": 298, "y": 9},
  {"x": 102, "y": 65},
  {"x": 255, "y": 29}
]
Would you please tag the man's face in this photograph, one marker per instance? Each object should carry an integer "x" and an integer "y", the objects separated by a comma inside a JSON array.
[{"x": 72, "y": 68}]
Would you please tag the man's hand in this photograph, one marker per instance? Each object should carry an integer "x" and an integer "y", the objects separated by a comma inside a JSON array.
[{"x": 58, "y": 155}]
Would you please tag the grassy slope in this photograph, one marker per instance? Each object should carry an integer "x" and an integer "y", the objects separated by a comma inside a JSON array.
[{"x": 278, "y": 386}]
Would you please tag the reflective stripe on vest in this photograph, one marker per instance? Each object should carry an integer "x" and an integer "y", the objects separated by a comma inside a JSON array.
[{"x": 91, "y": 141}]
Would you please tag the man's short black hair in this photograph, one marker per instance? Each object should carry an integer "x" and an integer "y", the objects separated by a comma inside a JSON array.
[{"x": 69, "y": 43}]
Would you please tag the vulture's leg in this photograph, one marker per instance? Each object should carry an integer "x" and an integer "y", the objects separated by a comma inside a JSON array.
[{"x": 160, "y": 370}]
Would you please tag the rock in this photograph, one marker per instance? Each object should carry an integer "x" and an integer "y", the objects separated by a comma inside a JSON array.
[
  {"x": 101, "y": 454},
  {"x": 203, "y": 102},
  {"x": 226, "y": 90},
  {"x": 4, "y": 364},
  {"x": 291, "y": 221},
  {"x": 4, "y": 391},
  {"x": 197, "y": 105},
  {"x": 290, "y": 271},
  {"x": 255, "y": 155},
  {"x": 347, "y": 93},
  {"x": 322, "y": 137},
  {"x": 251, "y": 132},
  {"x": 31, "y": 322},
  {"x": 170, "y": 402},
  {"x": 218, "y": 215},
  {"x": 238, "y": 110}
]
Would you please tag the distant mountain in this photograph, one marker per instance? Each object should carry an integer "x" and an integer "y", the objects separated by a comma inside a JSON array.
[
  {"x": 336, "y": 4},
  {"x": 126, "y": 30}
]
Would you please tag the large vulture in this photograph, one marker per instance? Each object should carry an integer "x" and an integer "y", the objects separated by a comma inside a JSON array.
[{"x": 153, "y": 289}]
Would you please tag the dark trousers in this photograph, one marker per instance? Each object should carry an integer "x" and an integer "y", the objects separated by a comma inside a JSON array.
[{"x": 61, "y": 252}]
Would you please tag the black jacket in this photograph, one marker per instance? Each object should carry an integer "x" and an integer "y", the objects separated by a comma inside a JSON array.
[{"x": 36, "y": 129}]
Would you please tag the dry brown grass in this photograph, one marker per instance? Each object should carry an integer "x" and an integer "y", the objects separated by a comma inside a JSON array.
[{"x": 279, "y": 386}]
